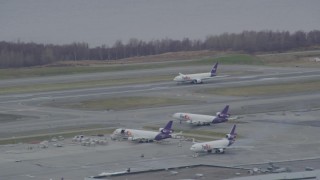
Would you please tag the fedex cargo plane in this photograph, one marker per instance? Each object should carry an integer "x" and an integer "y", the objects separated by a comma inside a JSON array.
[
  {"x": 217, "y": 146},
  {"x": 143, "y": 135},
  {"x": 203, "y": 120},
  {"x": 196, "y": 78}
]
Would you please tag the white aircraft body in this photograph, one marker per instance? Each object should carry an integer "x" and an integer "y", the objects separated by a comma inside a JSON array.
[
  {"x": 196, "y": 78},
  {"x": 217, "y": 146},
  {"x": 143, "y": 135},
  {"x": 202, "y": 120}
]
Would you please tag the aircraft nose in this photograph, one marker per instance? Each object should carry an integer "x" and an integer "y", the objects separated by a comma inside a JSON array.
[{"x": 175, "y": 79}]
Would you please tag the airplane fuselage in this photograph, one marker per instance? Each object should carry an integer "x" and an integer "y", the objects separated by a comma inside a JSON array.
[
  {"x": 135, "y": 134},
  {"x": 217, "y": 146},
  {"x": 143, "y": 135},
  {"x": 194, "y": 119},
  {"x": 192, "y": 78}
]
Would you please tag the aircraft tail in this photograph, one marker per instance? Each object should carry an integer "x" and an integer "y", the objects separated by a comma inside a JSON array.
[
  {"x": 214, "y": 69},
  {"x": 233, "y": 130},
  {"x": 232, "y": 135},
  {"x": 165, "y": 132},
  {"x": 168, "y": 128},
  {"x": 224, "y": 113}
]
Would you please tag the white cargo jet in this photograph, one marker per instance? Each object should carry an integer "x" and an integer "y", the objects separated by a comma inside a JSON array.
[
  {"x": 217, "y": 146},
  {"x": 143, "y": 135},
  {"x": 196, "y": 78},
  {"x": 203, "y": 120}
]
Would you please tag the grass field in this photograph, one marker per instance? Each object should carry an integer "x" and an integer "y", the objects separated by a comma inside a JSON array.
[
  {"x": 51, "y": 71},
  {"x": 279, "y": 59},
  {"x": 240, "y": 59},
  {"x": 124, "y": 103},
  {"x": 11, "y": 117},
  {"x": 81, "y": 84},
  {"x": 258, "y": 90},
  {"x": 285, "y": 59}
]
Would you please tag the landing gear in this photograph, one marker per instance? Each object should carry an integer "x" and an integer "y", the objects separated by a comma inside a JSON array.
[
  {"x": 219, "y": 151},
  {"x": 195, "y": 155}
]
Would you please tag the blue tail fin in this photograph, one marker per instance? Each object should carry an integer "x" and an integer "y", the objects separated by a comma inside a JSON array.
[
  {"x": 233, "y": 130},
  {"x": 168, "y": 128},
  {"x": 232, "y": 136},
  {"x": 165, "y": 132},
  {"x": 214, "y": 69},
  {"x": 224, "y": 113},
  {"x": 225, "y": 110}
]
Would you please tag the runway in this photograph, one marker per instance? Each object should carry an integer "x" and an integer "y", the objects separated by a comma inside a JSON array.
[{"x": 272, "y": 128}]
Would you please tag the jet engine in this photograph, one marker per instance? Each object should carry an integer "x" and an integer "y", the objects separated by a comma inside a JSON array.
[
  {"x": 197, "y": 81},
  {"x": 131, "y": 139},
  {"x": 223, "y": 116},
  {"x": 229, "y": 136},
  {"x": 166, "y": 131},
  {"x": 221, "y": 150}
]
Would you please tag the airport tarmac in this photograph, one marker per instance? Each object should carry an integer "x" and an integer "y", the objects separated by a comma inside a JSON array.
[{"x": 271, "y": 128}]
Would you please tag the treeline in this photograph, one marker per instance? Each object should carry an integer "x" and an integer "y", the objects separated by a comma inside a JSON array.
[{"x": 30, "y": 54}]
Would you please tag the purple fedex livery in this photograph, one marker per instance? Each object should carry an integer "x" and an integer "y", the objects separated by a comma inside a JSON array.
[
  {"x": 214, "y": 70},
  {"x": 143, "y": 135},
  {"x": 165, "y": 132},
  {"x": 202, "y": 120},
  {"x": 196, "y": 78},
  {"x": 217, "y": 146},
  {"x": 222, "y": 116}
]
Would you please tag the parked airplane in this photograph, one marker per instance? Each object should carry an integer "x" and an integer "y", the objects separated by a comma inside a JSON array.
[
  {"x": 217, "y": 146},
  {"x": 143, "y": 135},
  {"x": 196, "y": 78},
  {"x": 201, "y": 120}
]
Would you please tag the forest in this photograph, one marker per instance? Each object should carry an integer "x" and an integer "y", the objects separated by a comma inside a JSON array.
[{"x": 26, "y": 54}]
